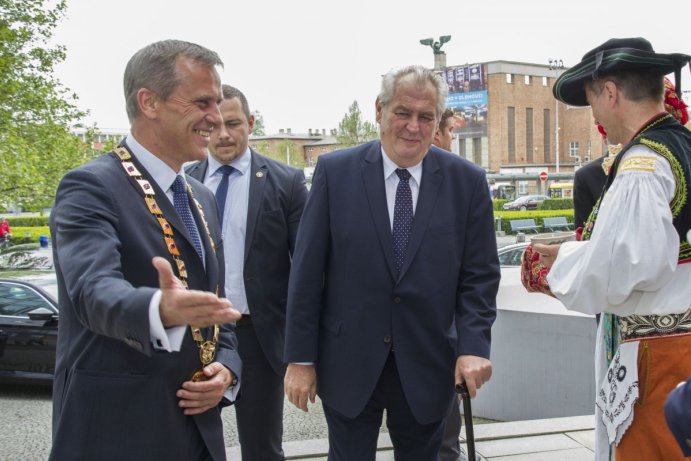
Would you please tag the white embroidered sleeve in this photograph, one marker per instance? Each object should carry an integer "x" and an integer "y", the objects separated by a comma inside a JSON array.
[{"x": 633, "y": 250}]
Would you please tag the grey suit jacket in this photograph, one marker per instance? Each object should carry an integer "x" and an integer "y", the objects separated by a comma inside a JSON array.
[
  {"x": 277, "y": 196},
  {"x": 114, "y": 394}
]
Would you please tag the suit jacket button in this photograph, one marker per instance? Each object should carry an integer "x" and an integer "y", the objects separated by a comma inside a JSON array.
[
  {"x": 387, "y": 339},
  {"x": 397, "y": 300}
]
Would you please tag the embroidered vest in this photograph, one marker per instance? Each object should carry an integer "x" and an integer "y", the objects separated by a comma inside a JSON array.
[{"x": 668, "y": 138}]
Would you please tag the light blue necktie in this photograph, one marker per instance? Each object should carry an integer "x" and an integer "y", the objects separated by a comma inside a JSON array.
[
  {"x": 182, "y": 206},
  {"x": 222, "y": 190},
  {"x": 402, "y": 217}
]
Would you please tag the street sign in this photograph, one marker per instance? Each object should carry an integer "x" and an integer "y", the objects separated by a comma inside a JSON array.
[{"x": 543, "y": 176}]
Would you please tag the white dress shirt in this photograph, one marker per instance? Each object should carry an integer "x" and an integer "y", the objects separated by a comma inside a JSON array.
[
  {"x": 391, "y": 181},
  {"x": 234, "y": 226}
]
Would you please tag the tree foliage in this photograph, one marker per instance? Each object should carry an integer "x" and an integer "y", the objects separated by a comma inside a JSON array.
[
  {"x": 353, "y": 130},
  {"x": 36, "y": 111},
  {"x": 258, "y": 128}
]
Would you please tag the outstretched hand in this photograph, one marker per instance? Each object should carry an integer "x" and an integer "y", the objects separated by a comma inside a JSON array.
[{"x": 179, "y": 306}]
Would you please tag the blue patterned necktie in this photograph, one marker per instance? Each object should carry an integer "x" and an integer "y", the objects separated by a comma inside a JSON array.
[
  {"x": 222, "y": 190},
  {"x": 402, "y": 217},
  {"x": 182, "y": 206}
]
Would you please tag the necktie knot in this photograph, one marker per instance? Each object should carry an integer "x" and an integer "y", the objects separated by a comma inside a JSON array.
[
  {"x": 178, "y": 186},
  {"x": 226, "y": 170},
  {"x": 403, "y": 174}
]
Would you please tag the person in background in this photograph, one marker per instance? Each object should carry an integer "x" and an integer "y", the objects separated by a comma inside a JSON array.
[
  {"x": 392, "y": 291},
  {"x": 146, "y": 351},
  {"x": 5, "y": 232},
  {"x": 444, "y": 135},
  {"x": 450, "y": 445},
  {"x": 261, "y": 202},
  {"x": 633, "y": 262}
]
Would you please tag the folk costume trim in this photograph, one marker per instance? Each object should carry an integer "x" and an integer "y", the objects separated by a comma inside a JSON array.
[
  {"x": 639, "y": 163},
  {"x": 207, "y": 347},
  {"x": 634, "y": 327}
]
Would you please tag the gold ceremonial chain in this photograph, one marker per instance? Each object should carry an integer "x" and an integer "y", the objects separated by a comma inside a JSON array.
[{"x": 207, "y": 348}]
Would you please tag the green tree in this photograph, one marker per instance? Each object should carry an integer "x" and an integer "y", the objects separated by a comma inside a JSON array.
[
  {"x": 291, "y": 153},
  {"x": 353, "y": 130},
  {"x": 258, "y": 128},
  {"x": 36, "y": 111}
]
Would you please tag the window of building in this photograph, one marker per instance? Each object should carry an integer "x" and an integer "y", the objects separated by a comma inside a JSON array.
[
  {"x": 529, "y": 134},
  {"x": 527, "y": 79},
  {"x": 546, "y": 134},
  {"x": 573, "y": 149},
  {"x": 509, "y": 78},
  {"x": 544, "y": 81},
  {"x": 511, "y": 124},
  {"x": 477, "y": 151},
  {"x": 461, "y": 148}
]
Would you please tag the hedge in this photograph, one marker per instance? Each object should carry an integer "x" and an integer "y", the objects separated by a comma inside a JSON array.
[
  {"x": 556, "y": 204},
  {"x": 27, "y": 221},
  {"x": 19, "y": 233},
  {"x": 537, "y": 215},
  {"x": 498, "y": 204}
]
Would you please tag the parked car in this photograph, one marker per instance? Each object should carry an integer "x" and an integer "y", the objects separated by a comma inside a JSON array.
[
  {"x": 526, "y": 202},
  {"x": 512, "y": 255},
  {"x": 28, "y": 329}
]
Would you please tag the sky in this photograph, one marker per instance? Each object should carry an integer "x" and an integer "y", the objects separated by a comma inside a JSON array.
[{"x": 302, "y": 63}]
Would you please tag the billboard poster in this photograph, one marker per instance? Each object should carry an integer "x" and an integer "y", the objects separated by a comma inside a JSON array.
[{"x": 468, "y": 98}]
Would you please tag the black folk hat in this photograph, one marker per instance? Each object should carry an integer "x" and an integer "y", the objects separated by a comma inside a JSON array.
[{"x": 615, "y": 55}]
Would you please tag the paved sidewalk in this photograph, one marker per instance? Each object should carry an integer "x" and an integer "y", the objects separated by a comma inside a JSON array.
[{"x": 556, "y": 439}]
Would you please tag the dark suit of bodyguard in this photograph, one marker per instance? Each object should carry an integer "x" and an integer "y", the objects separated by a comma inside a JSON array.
[
  {"x": 381, "y": 338},
  {"x": 120, "y": 392},
  {"x": 262, "y": 202}
]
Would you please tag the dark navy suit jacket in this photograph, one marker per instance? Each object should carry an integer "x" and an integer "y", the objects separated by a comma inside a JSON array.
[
  {"x": 114, "y": 394},
  {"x": 346, "y": 306},
  {"x": 678, "y": 415}
]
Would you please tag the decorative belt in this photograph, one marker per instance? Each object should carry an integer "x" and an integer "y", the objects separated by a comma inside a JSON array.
[{"x": 634, "y": 327}]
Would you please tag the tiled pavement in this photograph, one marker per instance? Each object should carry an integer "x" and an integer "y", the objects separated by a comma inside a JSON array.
[{"x": 557, "y": 439}]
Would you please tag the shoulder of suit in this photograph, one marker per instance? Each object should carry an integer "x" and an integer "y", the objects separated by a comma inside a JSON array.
[
  {"x": 101, "y": 166},
  {"x": 192, "y": 166}
]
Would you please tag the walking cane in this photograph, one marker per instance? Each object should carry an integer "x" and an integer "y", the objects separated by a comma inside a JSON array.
[{"x": 468, "y": 416}]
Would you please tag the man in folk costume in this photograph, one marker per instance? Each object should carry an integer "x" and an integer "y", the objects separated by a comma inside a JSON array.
[{"x": 632, "y": 264}]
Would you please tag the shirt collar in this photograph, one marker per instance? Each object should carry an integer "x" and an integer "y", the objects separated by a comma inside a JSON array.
[
  {"x": 160, "y": 172},
  {"x": 242, "y": 163},
  {"x": 390, "y": 167}
]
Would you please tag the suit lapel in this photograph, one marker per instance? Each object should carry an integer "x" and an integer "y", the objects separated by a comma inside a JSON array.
[
  {"x": 258, "y": 178},
  {"x": 166, "y": 206},
  {"x": 373, "y": 177},
  {"x": 211, "y": 265},
  {"x": 432, "y": 178}
]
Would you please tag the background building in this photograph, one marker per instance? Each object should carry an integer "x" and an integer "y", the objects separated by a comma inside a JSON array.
[{"x": 507, "y": 119}]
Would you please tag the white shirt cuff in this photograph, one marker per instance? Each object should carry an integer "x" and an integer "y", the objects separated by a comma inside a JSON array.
[{"x": 163, "y": 339}]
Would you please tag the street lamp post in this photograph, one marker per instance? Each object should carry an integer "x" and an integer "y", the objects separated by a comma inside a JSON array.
[
  {"x": 556, "y": 65},
  {"x": 439, "y": 55}
]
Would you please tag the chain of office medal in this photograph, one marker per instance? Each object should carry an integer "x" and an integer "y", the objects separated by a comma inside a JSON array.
[{"x": 207, "y": 347}]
